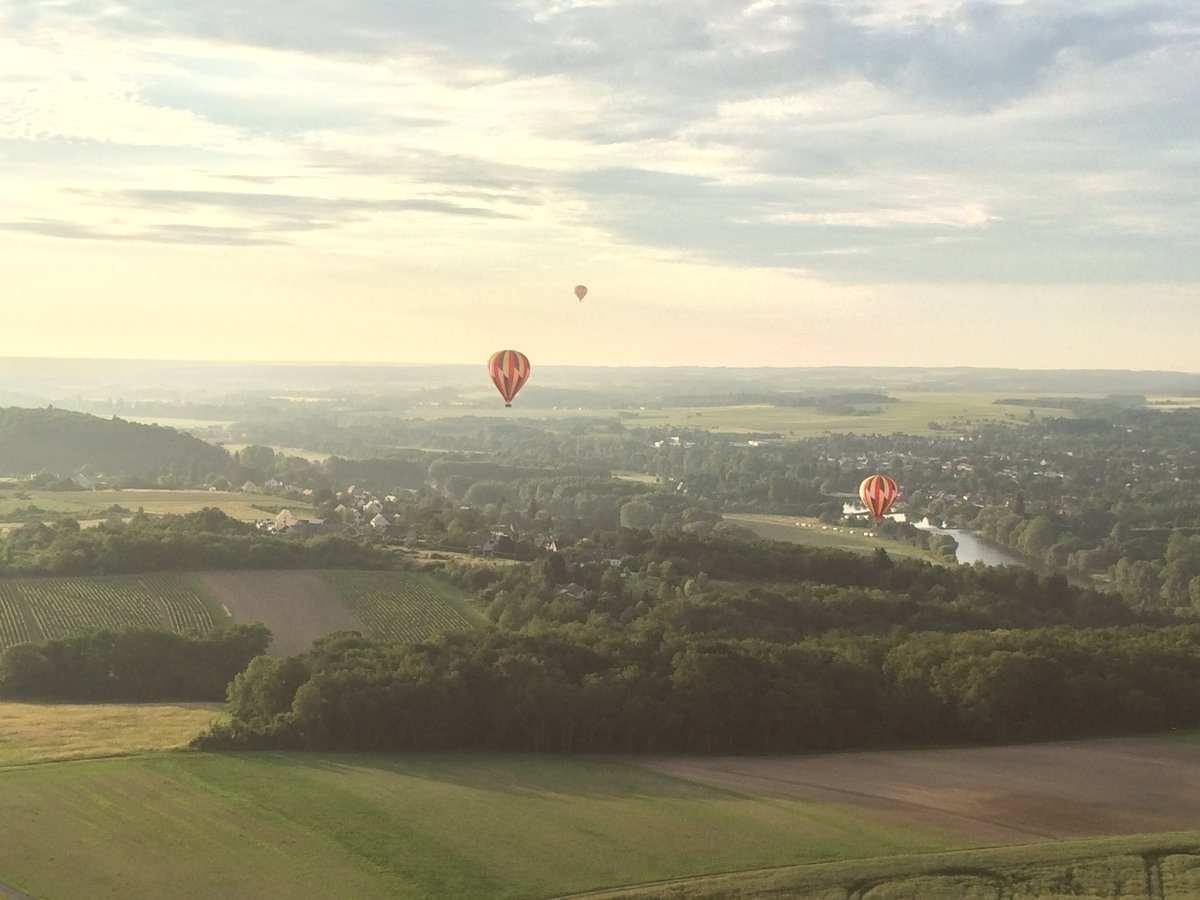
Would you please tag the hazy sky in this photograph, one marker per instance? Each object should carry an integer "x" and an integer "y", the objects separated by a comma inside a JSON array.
[{"x": 908, "y": 182}]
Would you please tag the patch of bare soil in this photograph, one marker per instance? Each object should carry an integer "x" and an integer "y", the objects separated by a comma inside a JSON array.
[
  {"x": 988, "y": 794},
  {"x": 298, "y": 607}
]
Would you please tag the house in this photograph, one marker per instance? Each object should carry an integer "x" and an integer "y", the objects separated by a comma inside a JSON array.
[
  {"x": 574, "y": 591},
  {"x": 285, "y": 520},
  {"x": 374, "y": 507},
  {"x": 84, "y": 482},
  {"x": 250, "y": 487},
  {"x": 380, "y": 523}
]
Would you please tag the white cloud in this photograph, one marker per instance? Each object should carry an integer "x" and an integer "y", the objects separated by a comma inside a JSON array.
[{"x": 925, "y": 142}]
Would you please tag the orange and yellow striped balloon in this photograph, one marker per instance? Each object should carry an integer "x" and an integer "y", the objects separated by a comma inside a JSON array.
[
  {"x": 509, "y": 370},
  {"x": 878, "y": 493}
]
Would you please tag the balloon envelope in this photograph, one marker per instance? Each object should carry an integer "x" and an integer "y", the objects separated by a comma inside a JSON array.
[
  {"x": 509, "y": 370},
  {"x": 580, "y": 291},
  {"x": 878, "y": 493}
]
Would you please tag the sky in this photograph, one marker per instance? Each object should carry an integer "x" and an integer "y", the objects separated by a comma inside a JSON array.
[{"x": 900, "y": 182}]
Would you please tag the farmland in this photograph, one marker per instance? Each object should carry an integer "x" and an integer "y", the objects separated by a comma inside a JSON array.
[
  {"x": 401, "y": 606},
  {"x": 39, "y": 609},
  {"x": 463, "y": 826},
  {"x": 41, "y": 732},
  {"x": 913, "y": 413},
  {"x": 1158, "y": 867},
  {"x": 297, "y": 606},
  {"x": 99, "y": 505},
  {"x": 882, "y": 826}
]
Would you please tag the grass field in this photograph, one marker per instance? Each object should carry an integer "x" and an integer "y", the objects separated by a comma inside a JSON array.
[
  {"x": 461, "y": 826},
  {"x": 812, "y": 533},
  {"x": 953, "y": 413},
  {"x": 41, "y": 732},
  {"x": 40, "y": 609},
  {"x": 179, "y": 423},
  {"x": 1155, "y": 867},
  {"x": 180, "y": 824},
  {"x": 96, "y": 504}
]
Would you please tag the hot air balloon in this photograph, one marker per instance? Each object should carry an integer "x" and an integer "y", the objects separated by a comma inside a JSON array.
[
  {"x": 878, "y": 492},
  {"x": 581, "y": 291},
  {"x": 509, "y": 370}
]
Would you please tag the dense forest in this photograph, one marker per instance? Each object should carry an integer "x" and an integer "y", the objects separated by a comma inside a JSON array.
[
  {"x": 134, "y": 665},
  {"x": 70, "y": 443},
  {"x": 718, "y": 645},
  {"x": 207, "y": 539}
]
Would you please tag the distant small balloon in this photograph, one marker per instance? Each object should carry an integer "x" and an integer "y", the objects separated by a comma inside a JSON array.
[
  {"x": 878, "y": 493},
  {"x": 580, "y": 291},
  {"x": 509, "y": 370}
]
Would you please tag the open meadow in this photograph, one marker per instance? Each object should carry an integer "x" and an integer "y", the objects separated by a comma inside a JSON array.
[{"x": 813, "y": 533}]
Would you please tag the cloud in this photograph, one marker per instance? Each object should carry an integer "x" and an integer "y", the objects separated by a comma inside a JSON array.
[{"x": 897, "y": 141}]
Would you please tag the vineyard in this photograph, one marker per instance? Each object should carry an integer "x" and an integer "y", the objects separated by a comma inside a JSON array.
[
  {"x": 399, "y": 605},
  {"x": 37, "y": 609}
]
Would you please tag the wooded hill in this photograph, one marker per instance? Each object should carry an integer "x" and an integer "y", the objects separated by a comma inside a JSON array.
[{"x": 63, "y": 442}]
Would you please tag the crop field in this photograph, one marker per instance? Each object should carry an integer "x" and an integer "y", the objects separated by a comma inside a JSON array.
[
  {"x": 402, "y": 606},
  {"x": 96, "y": 505},
  {"x": 957, "y": 824},
  {"x": 812, "y": 533},
  {"x": 38, "y": 609},
  {"x": 913, "y": 413},
  {"x": 431, "y": 826},
  {"x": 300, "y": 607},
  {"x": 44, "y": 732}
]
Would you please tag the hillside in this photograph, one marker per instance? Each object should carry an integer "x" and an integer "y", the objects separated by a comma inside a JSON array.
[{"x": 56, "y": 440}]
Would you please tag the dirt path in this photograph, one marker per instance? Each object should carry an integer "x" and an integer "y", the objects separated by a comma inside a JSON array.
[
  {"x": 13, "y": 893},
  {"x": 989, "y": 794},
  {"x": 298, "y": 607}
]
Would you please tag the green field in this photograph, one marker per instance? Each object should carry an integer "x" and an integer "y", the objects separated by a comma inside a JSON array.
[
  {"x": 96, "y": 505},
  {"x": 812, "y": 533},
  {"x": 148, "y": 822},
  {"x": 43, "y": 732},
  {"x": 1153, "y": 867},
  {"x": 402, "y": 606},
  {"x": 461, "y": 826},
  {"x": 913, "y": 413},
  {"x": 40, "y": 609}
]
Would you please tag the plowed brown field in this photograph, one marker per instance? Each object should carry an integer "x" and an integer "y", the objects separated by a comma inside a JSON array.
[
  {"x": 987, "y": 794},
  {"x": 298, "y": 607}
]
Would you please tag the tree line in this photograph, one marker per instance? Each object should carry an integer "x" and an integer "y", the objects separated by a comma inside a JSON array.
[
  {"x": 206, "y": 539},
  {"x": 132, "y": 665},
  {"x": 563, "y": 690}
]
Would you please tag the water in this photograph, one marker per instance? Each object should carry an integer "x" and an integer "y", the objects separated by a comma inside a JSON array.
[{"x": 972, "y": 548}]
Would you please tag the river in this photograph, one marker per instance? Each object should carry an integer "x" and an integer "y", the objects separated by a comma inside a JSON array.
[{"x": 972, "y": 548}]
